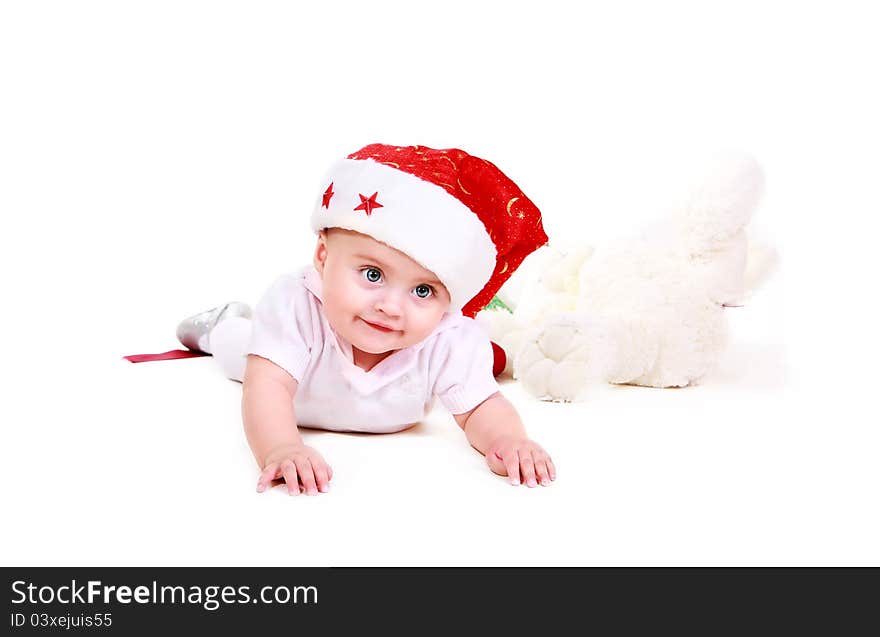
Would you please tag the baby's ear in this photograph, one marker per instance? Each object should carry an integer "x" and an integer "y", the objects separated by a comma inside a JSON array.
[{"x": 320, "y": 252}]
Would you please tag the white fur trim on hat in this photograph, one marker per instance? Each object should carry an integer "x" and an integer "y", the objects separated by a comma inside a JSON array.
[{"x": 417, "y": 217}]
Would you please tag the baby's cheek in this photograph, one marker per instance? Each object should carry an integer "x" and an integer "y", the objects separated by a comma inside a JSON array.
[
  {"x": 358, "y": 297},
  {"x": 427, "y": 319},
  {"x": 414, "y": 336},
  {"x": 348, "y": 301}
]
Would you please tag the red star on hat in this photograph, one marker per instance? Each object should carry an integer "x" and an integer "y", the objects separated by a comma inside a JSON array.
[
  {"x": 327, "y": 195},
  {"x": 367, "y": 205}
]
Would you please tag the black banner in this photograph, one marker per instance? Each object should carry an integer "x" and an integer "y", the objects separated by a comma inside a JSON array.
[{"x": 415, "y": 600}]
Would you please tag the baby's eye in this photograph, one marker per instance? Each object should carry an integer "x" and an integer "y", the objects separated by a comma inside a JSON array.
[
  {"x": 423, "y": 291},
  {"x": 373, "y": 275}
]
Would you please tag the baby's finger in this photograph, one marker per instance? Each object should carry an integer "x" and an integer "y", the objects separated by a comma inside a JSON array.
[
  {"x": 528, "y": 469},
  {"x": 266, "y": 476},
  {"x": 321, "y": 470},
  {"x": 551, "y": 468},
  {"x": 288, "y": 470},
  {"x": 511, "y": 462},
  {"x": 317, "y": 460},
  {"x": 541, "y": 470},
  {"x": 304, "y": 468}
]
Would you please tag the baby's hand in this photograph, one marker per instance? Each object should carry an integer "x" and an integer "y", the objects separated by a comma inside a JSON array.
[
  {"x": 297, "y": 464},
  {"x": 521, "y": 459}
]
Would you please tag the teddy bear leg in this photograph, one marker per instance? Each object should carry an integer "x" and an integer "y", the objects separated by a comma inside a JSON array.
[
  {"x": 688, "y": 348},
  {"x": 559, "y": 360}
]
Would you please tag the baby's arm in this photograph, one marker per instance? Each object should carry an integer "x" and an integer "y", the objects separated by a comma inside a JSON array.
[
  {"x": 495, "y": 429},
  {"x": 270, "y": 426}
]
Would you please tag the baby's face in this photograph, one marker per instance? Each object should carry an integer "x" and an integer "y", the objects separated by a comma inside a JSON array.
[{"x": 376, "y": 297}]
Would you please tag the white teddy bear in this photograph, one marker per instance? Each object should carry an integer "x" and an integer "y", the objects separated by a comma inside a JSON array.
[{"x": 644, "y": 311}]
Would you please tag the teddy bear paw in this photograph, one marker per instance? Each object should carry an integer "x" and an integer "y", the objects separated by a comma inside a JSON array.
[{"x": 557, "y": 361}]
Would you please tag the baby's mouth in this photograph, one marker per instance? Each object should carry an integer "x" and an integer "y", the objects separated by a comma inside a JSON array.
[{"x": 379, "y": 328}]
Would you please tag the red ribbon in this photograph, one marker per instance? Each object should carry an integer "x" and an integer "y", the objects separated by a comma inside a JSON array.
[
  {"x": 500, "y": 360},
  {"x": 164, "y": 356}
]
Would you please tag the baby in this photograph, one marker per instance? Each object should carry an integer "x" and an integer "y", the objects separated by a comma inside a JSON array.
[{"x": 411, "y": 243}]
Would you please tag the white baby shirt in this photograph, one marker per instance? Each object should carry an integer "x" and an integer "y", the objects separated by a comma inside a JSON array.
[{"x": 289, "y": 328}]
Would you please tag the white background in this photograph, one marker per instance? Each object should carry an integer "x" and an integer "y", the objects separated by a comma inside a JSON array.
[{"x": 160, "y": 158}]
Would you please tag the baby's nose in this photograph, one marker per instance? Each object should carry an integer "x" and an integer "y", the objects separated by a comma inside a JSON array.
[{"x": 389, "y": 303}]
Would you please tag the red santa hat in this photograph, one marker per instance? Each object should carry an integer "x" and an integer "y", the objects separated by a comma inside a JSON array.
[{"x": 455, "y": 214}]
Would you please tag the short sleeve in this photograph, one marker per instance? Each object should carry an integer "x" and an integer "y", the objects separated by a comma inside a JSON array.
[
  {"x": 464, "y": 367},
  {"x": 280, "y": 333}
]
